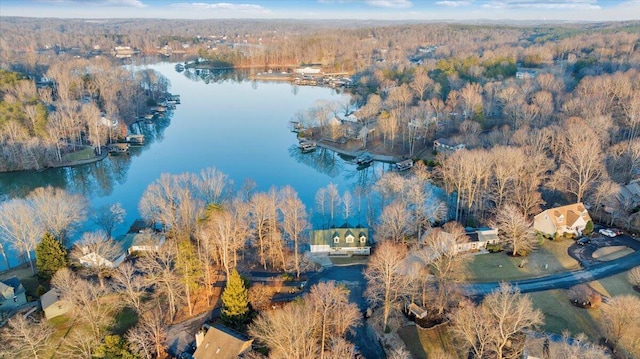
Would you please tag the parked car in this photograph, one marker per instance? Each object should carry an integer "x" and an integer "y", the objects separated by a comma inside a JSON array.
[
  {"x": 607, "y": 232},
  {"x": 616, "y": 231},
  {"x": 583, "y": 240}
]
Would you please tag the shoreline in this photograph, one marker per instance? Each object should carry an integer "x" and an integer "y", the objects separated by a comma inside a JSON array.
[{"x": 93, "y": 159}]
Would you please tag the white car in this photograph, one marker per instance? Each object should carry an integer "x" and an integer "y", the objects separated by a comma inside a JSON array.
[{"x": 607, "y": 232}]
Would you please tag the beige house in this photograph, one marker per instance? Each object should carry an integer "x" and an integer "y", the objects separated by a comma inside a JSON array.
[
  {"x": 446, "y": 145},
  {"x": 478, "y": 239},
  {"x": 220, "y": 342},
  {"x": 53, "y": 305},
  {"x": 570, "y": 219}
]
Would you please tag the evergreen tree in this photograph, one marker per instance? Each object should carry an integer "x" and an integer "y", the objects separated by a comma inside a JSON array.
[
  {"x": 235, "y": 301},
  {"x": 51, "y": 255},
  {"x": 113, "y": 347}
]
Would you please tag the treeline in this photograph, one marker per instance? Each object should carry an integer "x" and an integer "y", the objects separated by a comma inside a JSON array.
[{"x": 76, "y": 103}]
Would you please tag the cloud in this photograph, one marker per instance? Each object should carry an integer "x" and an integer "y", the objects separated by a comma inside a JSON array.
[
  {"x": 389, "y": 3},
  {"x": 221, "y": 6},
  {"x": 453, "y": 3},
  {"x": 115, "y": 3},
  {"x": 544, "y": 4}
]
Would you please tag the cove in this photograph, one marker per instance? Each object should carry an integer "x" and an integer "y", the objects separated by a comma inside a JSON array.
[{"x": 225, "y": 121}]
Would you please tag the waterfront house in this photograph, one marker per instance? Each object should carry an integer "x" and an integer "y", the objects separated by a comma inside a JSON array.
[
  {"x": 53, "y": 305},
  {"x": 12, "y": 294},
  {"x": 571, "y": 219},
  {"x": 144, "y": 241},
  {"x": 104, "y": 254},
  {"x": 308, "y": 70},
  {"x": 343, "y": 240},
  {"x": 445, "y": 145},
  {"x": 220, "y": 342}
]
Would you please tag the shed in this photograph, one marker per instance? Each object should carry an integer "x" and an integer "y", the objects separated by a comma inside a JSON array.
[{"x": 53, "y": 305}]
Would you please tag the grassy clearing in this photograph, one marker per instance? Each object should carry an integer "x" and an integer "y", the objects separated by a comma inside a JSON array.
[
  {"x": 426, "y": 343},
  {"x": 611, "y": 253},
  {"x": 83, "y": 154},
  {"x": 561, "y": 315},
  {"x": 124, "y": 319},
  {"x": 551, "y": 257},
  {"x": 614, "y": 285}
]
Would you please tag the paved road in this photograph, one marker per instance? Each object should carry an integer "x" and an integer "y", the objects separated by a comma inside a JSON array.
[
  {"x": 594, "y": 271},
  {"x": 351, "y": 276}
]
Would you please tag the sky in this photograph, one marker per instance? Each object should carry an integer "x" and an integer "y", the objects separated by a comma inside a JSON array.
[{"x": 569, "y": 10}]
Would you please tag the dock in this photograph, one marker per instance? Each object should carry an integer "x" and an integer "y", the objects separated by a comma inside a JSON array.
[
  {"x": 307, "y": 146},
  {"x": 404, "y": 165}
]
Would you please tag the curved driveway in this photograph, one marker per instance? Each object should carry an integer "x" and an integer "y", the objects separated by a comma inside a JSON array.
[{"x": 595, "y": 270}]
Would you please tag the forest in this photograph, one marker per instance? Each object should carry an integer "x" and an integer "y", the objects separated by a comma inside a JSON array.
[{"x": 548, "y": 114}]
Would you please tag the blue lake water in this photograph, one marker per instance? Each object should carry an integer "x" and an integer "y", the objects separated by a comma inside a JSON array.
[{"x": 238, "y": 126}]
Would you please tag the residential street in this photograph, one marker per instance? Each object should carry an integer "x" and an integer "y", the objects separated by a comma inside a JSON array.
[
  {"x": 595, "y": 270},
  {"x": 351, "y": 276}
]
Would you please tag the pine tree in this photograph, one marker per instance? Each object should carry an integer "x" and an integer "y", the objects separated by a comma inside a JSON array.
[
  {"x": 113, "y": 347},
  {"x": 51, "y": 255},
  {"x": 235, "y": 301}
]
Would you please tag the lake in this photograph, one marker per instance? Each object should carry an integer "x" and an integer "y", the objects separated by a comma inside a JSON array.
[{"x": 238, "y": 126}]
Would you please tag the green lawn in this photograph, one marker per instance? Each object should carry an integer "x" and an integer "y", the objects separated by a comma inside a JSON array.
[
  {"x": 82, "y": 154},
  {"x": 427, "y": 343},
  {"x": 125, "y": 319},
  {"x": 561, "y": 315},
  {"x": 551, "y": 257}
]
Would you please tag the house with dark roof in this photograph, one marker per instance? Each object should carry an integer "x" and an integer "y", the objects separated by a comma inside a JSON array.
[
  {"x": 341, "y": 240},
  {"x": 220, "y": 342},
  {"x": 446, "y": 145},
  {"x": 12, "y": 294},
  {"x": 144, "y": 241},
  {"x": 571, "y": 219},
  {"x": 53, "y": 305}
]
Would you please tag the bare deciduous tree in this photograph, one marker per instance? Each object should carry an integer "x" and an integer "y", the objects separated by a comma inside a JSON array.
[
  {"x": 109, "y": 216},
  {"x": 577, "y": 347},
  {"x": 158, "y": 268},
  {"x": 88, "y": 300},
  {"x": 387, "y": 282},
  {"x": 260, "y": 296},
  {"x": 78, "y": 345},
  {"x": 58, "y": 210},
  {"x": 19, "y": 227},
  {"x": 148, "y": 337},
  {"x": 172, "y": 201},
  {"x": 97, "y": 253},
  {"x": 395, "y": 223},
  {"x": 619, "y": 321},
  {"x": 515, "y": 229},
  {"x": 491, "y": 327},
  {"x": 131, "y": 285},
  {"x": 582, "y": 161},
  {"x": 25, "y": 339},
  {"x": 294, "y": 221},
  {"x": 289, "y": 333},
  {"x": 330, "y": 302},
  {"x": 634, "y": 276}
]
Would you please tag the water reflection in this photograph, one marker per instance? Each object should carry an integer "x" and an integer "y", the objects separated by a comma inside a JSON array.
[{"x": 92, "y": 180}]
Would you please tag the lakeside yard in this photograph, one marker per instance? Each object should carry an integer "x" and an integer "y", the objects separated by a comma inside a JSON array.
[{"x": 551, "y": 257}]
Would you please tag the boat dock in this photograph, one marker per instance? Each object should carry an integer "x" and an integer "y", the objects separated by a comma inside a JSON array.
[{"x": 307, "y": 146}]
